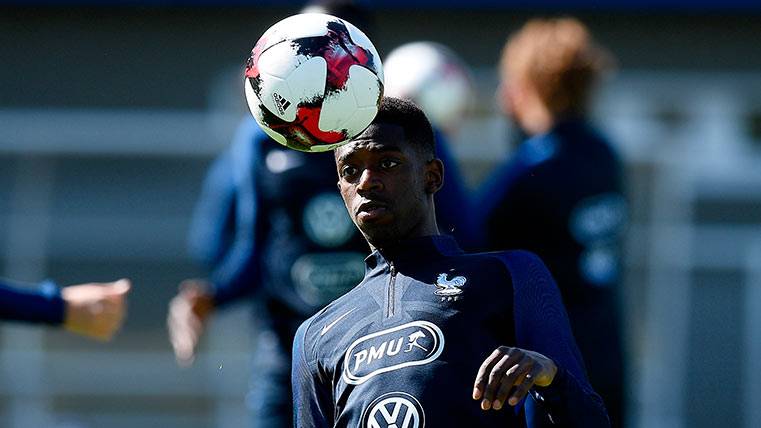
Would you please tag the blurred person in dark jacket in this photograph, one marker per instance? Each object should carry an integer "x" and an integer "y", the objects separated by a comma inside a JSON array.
[{"x": 561, "y": 194}]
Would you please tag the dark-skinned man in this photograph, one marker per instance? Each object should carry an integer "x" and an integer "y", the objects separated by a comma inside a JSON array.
[{"x": 431, "y": 335}]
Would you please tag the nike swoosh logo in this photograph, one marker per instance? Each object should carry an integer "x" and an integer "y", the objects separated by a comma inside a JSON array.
[{"x": 329, "y": 326}]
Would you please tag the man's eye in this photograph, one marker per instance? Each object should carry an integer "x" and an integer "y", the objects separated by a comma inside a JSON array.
[
  {"x": 348, "y": 171},
  {"x": 388, "y": 163}
]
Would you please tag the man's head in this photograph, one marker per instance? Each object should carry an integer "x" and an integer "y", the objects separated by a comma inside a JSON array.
[
  {"x": 547, "y": 70},
  {"x": 388, "y": 175}
]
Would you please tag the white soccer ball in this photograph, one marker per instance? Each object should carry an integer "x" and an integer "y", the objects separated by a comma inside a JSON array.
[
  {"x": 434, "y": 77},
  {"x": 313, "y": 81}
]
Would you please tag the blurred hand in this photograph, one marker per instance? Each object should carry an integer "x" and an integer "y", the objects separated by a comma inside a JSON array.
[
  {"x": 95, "y": 310},
  {"x": 188, "y": 312},
  {"x": 511, "y": 372}
]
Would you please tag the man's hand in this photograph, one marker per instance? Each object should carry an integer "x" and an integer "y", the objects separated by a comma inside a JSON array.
[
  {"x": 511, "y": 371},
  {"x": 188, "y": 312},
  {"x": 95, "y": 310}
]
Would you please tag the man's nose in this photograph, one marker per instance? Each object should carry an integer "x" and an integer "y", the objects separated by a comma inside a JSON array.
[{"x": 368, "y": 181}]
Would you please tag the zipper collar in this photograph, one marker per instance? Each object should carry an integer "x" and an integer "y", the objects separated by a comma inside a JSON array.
[{"x": 417, "y": 249}]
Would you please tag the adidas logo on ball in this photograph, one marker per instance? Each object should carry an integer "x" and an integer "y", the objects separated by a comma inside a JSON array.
[{"x": 280, "y": 102}]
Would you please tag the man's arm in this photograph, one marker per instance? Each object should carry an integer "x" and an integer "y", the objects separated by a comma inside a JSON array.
[
  {"x": 233, "y": 276},
  {"x": 312, "y": 401},
  {"x": 42, "y": 304},
  {"x": 227, "y": 203},
  {"x": 209, "y": 235},
  {"x": 542, "y": 326},
  {"x": 95, "y": 310}
]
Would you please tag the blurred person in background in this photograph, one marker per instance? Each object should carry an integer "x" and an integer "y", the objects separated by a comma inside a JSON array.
[
  {"x": 560, "y": 196},
  {"x": 94, "y": 310},
  {"x": 436, "y": 79},
  {"x": 270, "y": 222}
]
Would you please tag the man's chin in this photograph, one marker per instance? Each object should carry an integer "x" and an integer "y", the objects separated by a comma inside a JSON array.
[{"x": 377, "y": 229}]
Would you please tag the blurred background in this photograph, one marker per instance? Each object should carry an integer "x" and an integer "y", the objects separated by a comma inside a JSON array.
[{"x": 109, "y": 117}]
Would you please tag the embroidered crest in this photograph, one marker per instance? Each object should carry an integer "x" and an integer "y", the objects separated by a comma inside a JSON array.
[{"x": 449, "y": 287}]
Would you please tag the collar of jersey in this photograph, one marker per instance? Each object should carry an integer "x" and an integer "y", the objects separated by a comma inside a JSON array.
[{"x": 413, "y": 250}]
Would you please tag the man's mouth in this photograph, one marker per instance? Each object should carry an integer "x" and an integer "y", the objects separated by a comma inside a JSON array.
[{"x": 371, "y": 210}]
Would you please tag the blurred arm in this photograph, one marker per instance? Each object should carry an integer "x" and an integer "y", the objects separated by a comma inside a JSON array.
[
  {"x": 92, "y": 310},
  {"x": 213, "y": 216},
  {"x": 236, "y": 274},
  {"x": 222, "y": 236}
]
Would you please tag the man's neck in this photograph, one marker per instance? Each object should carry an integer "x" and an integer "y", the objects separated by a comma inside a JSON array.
[{"x": 426, "y": 227}]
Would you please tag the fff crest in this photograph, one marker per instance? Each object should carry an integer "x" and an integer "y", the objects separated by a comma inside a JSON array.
[{"x": 449, "y": 287}]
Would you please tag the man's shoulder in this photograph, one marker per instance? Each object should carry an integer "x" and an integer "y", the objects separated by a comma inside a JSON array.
[{"x": 514, "y": 261}]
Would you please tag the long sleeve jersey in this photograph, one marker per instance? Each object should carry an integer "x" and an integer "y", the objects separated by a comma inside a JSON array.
[
  {"x": 404, "y": 346},
  {"x": 42, "y": 304}
]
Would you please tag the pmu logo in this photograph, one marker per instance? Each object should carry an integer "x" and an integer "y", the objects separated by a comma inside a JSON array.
[
  {"x": 412, "y": 344},
  {"x": 394, "y": 410}
]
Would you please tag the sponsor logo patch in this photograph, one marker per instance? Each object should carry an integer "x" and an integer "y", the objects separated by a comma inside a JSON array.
[
  {"x": 413, "y": 344},
  {"x": 394, "y": 410}
]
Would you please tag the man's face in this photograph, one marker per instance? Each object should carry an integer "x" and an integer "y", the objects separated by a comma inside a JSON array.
[{"x": 382, "y": 180}]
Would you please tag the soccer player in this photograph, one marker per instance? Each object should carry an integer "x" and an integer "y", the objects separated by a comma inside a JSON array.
[
  {"x": 560, "y": 196},
  {"x": 92, "y": 310},
  {"x": 270, "y": 224},
  {"x": 431, "y": 335}
]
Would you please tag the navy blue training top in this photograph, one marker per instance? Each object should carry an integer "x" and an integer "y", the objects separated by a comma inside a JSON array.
[
  {"x": 42, "y": 304},
  {"x": 404, "y": 346}
]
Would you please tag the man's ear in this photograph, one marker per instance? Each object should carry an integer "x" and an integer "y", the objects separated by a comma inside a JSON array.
[{"x": 434, "y": 176}]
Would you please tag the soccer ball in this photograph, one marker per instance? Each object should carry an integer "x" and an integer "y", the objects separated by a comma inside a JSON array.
[
  {"x": 313, "y": 81},
  {"x": 432, "y": 76}
]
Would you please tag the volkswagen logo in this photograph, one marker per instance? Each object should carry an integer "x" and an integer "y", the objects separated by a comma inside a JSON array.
[{"x": 394, "y": 410}]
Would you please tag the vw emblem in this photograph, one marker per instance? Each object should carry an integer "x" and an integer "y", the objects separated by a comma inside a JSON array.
[{"x": 394, "y": 410}]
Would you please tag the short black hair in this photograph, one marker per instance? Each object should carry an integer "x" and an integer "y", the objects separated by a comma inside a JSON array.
[{"x": 417, "y": 129}]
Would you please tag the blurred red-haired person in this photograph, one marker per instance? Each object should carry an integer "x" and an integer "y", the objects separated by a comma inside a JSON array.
[{"x": 561, "y": 194}]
